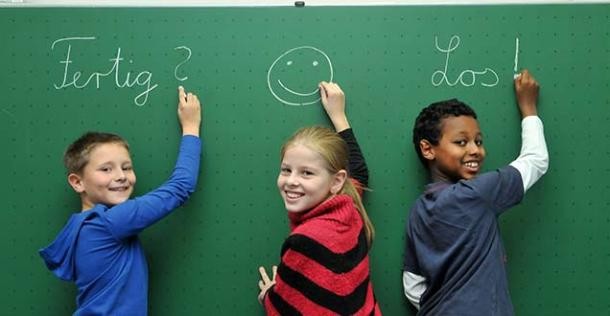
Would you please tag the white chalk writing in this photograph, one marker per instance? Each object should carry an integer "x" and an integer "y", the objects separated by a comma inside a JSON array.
[
  {"x": 516, "y": 68},
  {"x": 180, "y": 64},
  {"x": 467, "y": 77},
  {"x": 71, "y": 77},
  {"x": 301, "y": 60}
]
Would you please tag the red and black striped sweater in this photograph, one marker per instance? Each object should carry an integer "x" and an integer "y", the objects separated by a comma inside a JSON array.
[{"x": 324, "y": 267}]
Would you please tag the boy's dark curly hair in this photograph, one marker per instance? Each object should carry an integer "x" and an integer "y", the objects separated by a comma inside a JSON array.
[{"x": 428, "y": 122}]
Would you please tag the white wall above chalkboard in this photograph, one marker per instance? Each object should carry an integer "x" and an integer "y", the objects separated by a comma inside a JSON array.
[{"x": 217, "y": 3}]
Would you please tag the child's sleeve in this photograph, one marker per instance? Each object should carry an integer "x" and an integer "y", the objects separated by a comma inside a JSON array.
[
  {"x": 499, "y": 189},
  {"x": 414, "y": 285},
  {"x": 505, "y": 187},
  {"x": 131, "y": 217},
  {"x": 533, "y": 160},
  {"x": 357, "y": 165}
]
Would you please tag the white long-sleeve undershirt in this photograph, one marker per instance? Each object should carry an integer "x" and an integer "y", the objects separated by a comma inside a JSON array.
[
  {"x": 533, "y": 161},
  {"x": 414, "y": 286}
]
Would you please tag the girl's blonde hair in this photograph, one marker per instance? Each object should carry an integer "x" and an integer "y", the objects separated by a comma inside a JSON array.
[{"x": 335, "y": 152}]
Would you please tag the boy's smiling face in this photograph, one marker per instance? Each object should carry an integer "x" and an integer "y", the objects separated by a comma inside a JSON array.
[
  {"x": 108, "y": 178},
  {"x": 459, "y": 153}
]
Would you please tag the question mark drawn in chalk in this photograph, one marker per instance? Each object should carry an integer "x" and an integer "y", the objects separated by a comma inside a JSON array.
[{"x": 182, "y": 63}]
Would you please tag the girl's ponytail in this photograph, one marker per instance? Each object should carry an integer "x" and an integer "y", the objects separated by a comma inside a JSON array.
[{"x": 350, "y": 189}]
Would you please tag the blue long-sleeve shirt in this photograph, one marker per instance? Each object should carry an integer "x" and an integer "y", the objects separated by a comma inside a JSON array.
[{"x": 99, "y": 249}]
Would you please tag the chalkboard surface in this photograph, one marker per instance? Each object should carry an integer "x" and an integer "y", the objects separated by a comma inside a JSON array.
[{"x": 68, "y": 70}]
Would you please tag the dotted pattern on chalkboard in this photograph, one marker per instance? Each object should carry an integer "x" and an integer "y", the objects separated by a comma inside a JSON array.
[{"x": 203, "y": 259}]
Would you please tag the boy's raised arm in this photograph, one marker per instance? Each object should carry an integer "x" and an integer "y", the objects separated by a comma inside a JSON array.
[
  {"x": 533, "y": 160},
  {"x": 131, "y": 217}
]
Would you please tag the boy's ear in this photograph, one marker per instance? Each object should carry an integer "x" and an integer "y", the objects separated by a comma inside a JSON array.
[
  {"x": 338, "y": 181},
  {"x": 427, "y": 150},
  {"x": 76, "y": 182}
]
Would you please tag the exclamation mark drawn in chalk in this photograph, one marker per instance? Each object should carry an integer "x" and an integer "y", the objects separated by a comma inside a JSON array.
[{"x": 516, "y": 69}]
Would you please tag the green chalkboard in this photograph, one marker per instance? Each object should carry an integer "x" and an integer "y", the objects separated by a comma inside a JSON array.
[{"x": 64, "y": 71}]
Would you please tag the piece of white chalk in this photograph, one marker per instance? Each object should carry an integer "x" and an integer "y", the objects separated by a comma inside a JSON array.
[{"x": 515, "y": 76}]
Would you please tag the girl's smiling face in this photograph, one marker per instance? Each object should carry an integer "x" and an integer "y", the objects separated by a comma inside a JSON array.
[{"x": 304, "y": 180}]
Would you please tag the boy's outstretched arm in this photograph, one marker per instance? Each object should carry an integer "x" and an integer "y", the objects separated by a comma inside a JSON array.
[
  {"x": 333, "y": 101},
  {"x": 533, "y": 160},
  {"x": 131, "y": 217}
]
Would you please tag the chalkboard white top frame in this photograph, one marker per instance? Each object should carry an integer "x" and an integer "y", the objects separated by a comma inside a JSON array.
[{"x": 258, "y": 3}]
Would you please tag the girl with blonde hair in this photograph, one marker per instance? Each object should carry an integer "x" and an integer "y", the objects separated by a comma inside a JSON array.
[{"x": 324, "y": 268}]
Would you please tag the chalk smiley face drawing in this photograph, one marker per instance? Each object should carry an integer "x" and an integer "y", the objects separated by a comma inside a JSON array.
[{"x": 294, "y": 76}]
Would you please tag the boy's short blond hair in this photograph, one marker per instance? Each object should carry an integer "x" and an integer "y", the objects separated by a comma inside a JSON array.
[{"x": 76, "y": 155}]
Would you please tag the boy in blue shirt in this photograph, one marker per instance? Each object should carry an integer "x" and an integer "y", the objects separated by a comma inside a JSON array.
[
  {"x": 98, "y": 248},
  {"x": 454, "y": 259}
]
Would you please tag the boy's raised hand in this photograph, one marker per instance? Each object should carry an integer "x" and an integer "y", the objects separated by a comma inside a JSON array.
[
  {"x": 333, "y": 100},
  {"x": 526, "y": 91},
  {"x": 189, "y": 112}
]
